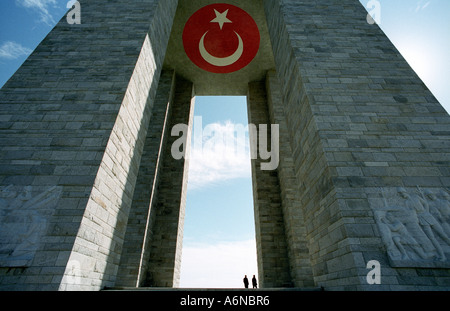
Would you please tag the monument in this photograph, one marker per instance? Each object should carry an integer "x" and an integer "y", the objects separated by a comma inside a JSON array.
[{"x": 92, "y": 197}]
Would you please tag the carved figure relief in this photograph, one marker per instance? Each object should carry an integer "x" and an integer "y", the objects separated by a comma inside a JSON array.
[
  {"x": 414, "y": 227},
  {"x": 24, "y": 214}
]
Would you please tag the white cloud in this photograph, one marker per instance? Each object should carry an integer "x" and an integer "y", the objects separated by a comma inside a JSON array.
[
  {"x": 219, "y": 153},
  {"x": 13, "y": 50},
  {"x": 222, "y": 265},
  {"x": 422, "y": 5},
  {"x": 42, "y": 6},
  {"x": 426, "y": 5}
]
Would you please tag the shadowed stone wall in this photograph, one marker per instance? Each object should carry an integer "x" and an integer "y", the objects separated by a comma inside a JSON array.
[
  {"x": 294, "y": 221},
  {"x": 134, "y": 257},
  {"x": 360, "y": 121},
  {"x": 167, "y": 216},
  {"x": 273, "y": 261}
]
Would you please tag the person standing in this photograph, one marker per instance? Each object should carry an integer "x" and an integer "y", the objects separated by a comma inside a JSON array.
[
  {"x": 254, "y": 282},
  {"x": 246, "y": 282}
]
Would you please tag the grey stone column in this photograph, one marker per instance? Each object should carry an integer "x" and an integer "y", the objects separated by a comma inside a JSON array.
[
  {"x": 273, "y": 261},
  {"x": 361, "y": 125},
  {"x": 165, "y": 231},
  {"x": 74, "y": 119},
  {"x": 294, "y": 221},
  {"x": 135, "y": 252}
]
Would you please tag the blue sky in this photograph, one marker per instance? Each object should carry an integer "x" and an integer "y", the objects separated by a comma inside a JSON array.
[
  {"x": 420, "y": 30},
  {"x": 219, "y": 234},
  {"x": 219, "y": 242}
]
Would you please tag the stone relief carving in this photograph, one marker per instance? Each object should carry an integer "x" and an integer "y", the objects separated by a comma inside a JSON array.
[
  {"x": 24, "y": 214},
  {"x": 414, "y": 226}
]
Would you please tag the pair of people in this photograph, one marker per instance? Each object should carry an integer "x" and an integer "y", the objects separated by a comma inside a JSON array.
[{"x": 254, "y": 282}]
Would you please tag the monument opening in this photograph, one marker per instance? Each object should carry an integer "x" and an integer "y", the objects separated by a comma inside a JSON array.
[{"x": 219, "y": 246}]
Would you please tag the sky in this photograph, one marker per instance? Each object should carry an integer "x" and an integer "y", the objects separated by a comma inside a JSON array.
[
  {"x": 219, "y": 234},
  {"x": 219, "y": 241}
]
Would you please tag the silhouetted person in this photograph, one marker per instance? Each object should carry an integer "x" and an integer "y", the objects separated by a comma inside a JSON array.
[
  {"x": 245, "y": 282},
  {"x": 254, "y": 282}
]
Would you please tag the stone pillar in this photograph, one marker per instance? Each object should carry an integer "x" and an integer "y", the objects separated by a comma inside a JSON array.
[
  {"x": 294, "y": 221},
  {"x": 165, "y": 230},
  {"x": 134, "y": 256},
  {"x": 74, "y": 119},
  {"x": 363, "y": 128},
  {"x": 273, "y": 261}
]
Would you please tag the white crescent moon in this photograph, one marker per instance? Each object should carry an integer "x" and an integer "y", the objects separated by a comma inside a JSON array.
[{"x": 221, "y": 61}]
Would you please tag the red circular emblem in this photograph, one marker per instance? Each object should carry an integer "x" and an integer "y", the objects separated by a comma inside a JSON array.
[{"x": 221, "y": 38}]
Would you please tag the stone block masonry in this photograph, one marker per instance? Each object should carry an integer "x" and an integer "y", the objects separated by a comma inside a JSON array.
[
  {"x": 359, "y": 120},
  {"x": 90, "y": 196},
  {"x": 273, "y": 261},
  {"x": 294, "y": 221},
  {"x": 167, "y": 215},
  {"x": 135, "y": 254},
  {"x": 77, "y": 115}
]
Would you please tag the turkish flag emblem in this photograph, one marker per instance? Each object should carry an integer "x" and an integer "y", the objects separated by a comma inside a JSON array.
[{"x": 221, "y": 38}]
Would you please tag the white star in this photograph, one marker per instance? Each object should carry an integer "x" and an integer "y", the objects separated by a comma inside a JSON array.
[{"x": 221, "y": 18}]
